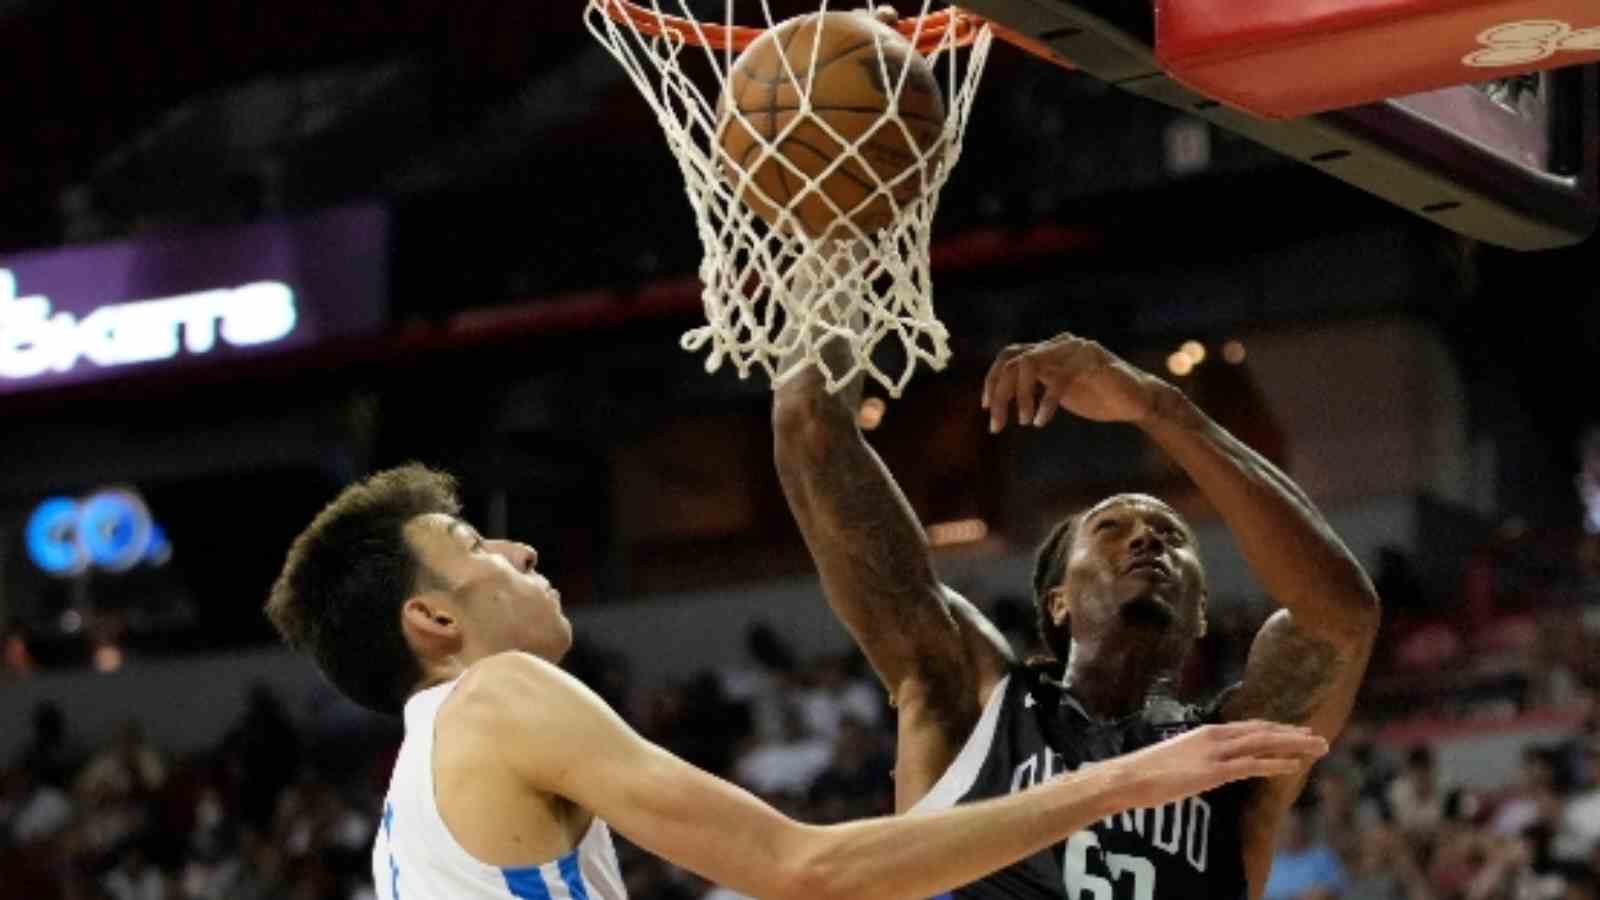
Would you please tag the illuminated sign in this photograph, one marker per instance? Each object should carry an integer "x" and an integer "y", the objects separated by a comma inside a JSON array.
[
  {"x": 111, "y": 530},
  {"x": 105, "y": 311},
  {"x": 33, "y": 341}
]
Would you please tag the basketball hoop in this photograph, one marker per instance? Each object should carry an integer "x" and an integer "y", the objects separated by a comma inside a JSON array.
[{"x": 777, "y": 289}]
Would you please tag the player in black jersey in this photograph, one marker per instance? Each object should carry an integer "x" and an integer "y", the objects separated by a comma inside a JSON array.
[{"x": 1121, "y": 597}]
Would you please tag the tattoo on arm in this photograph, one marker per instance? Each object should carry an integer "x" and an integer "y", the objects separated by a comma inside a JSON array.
[
  {"x": 1290, "y": 673},
  {"x": 873, "y": 528}
]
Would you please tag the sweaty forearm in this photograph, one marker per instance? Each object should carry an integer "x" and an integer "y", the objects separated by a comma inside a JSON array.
[
  {"x": 923, "y": 855},
  {"x": 1285, "y": 540}
]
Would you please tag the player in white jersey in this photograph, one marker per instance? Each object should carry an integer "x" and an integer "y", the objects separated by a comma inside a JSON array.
[{"x": 511, "y": 768}]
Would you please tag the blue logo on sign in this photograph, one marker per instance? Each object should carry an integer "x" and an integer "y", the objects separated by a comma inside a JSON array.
[{"x": 110, "y": 530}]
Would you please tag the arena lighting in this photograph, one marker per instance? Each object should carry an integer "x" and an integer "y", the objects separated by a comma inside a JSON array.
[
  {"x": 35, "y": 342},
  {"x": 871, "y": 414},
  {"x": 962, "y": 531},
  {"x": 1233, "y": 353},
  {"x": 1195, "y": 350},
  {"x": 1179, "y": 364},
  {"x": 107, "y": 658}
]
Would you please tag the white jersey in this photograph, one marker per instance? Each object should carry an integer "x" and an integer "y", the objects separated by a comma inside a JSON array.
[{"x": 415, "y": 857}]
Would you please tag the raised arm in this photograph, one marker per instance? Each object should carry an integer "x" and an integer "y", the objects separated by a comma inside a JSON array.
[
  {"x": 732, "y": 838},
  {"x": 936, "y": 654},
  {"x": 1306, "y": 664}
]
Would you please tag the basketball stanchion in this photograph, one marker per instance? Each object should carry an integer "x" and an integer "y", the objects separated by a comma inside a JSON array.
[{"x": 813, "y": 151}]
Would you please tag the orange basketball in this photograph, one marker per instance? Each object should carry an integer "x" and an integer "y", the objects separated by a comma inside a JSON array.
[{"x": 850, "y": 93}]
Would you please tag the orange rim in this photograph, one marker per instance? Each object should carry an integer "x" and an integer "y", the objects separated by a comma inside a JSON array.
[{"x": 929, "y": 31}]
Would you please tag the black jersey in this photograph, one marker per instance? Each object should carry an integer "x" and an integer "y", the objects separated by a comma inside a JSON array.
[{"x": 1032, "y": 729}]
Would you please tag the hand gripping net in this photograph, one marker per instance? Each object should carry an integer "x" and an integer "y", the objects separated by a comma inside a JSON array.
[{"x": 776, "y": 297}]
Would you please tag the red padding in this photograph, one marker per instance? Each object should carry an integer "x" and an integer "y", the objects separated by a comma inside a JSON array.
[{"x": 1283, "y": 59}]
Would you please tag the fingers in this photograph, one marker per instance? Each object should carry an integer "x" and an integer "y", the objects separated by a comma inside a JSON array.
[
  {"x": 1027, "y": 382},
  {"x": 1000, "y": 387},
  {"x": 996, "y": 371},
  {"x": 1275, "y": 743},
  {"x": 1049, "y": 404},
  {"x": 1260, "y": 767}
]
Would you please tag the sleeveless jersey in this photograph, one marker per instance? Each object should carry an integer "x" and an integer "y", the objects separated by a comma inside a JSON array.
[
  {"x": 415, "y": 857},
  {"x": 1032, "y": 729}
]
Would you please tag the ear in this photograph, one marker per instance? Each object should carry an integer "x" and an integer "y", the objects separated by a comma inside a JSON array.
[
  {"x": 1060, "y": 605},
  {"x": 431, "y": 622}
]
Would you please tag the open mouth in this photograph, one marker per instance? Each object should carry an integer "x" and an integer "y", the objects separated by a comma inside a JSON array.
[{"x": 1149, "y": 567}]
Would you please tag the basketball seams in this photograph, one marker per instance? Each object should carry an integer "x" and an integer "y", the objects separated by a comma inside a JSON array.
[
  {"x": 860, "y": 111},
  {"x": 827, "y": 159},
  {"x": 879, "y": 140}
]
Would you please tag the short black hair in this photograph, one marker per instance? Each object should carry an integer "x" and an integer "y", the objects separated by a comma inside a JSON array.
[{"x": 338, "y": 597}]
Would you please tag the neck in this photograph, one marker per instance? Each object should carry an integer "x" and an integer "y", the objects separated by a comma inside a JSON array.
[
  {"x": 1114, "y": 682},
  {"x": 440, "y": 671}
]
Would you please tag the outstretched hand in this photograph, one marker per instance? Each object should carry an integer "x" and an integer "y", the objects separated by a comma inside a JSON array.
[
  {"x": 1214, "y": 755},
  {"x": 1066, "y": 372}
]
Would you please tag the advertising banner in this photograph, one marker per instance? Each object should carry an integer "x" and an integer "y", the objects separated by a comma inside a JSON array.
[{"x": 103, "y": 311}]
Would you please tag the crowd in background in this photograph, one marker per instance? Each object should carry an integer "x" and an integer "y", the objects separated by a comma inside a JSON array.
[{"x": 275, "y": 811}]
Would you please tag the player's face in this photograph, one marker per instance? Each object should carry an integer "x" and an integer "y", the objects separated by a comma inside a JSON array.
[
  {"x": 1134, "y": 566},
  {"x": 503, "y": 600}
]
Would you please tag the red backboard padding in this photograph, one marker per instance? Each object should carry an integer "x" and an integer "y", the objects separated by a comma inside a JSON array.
[{"x": 1284, "y": 59}]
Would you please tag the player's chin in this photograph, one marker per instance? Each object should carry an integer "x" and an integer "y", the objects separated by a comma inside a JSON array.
[
  {"x": 1149, "y": 610},
  {"x": 556, "y": 638}
]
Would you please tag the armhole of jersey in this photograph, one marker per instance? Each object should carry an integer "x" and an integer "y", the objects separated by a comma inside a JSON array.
[{"x": 958, "y": 779}]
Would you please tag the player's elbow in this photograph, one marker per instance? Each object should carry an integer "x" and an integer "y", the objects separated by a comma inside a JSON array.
[{"x": 818, "y": 873}]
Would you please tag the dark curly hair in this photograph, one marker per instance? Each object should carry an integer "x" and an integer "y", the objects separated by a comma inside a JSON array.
[
  {"x": 1049, "y": 568},
  {"x": 338, "y": 597}
]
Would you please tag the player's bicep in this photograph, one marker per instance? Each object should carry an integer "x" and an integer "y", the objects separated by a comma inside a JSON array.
[
  {"x": 570, "y": 744},
  {"x": 1296, "y": 677},
  {"x": 1299, "y": 677}
]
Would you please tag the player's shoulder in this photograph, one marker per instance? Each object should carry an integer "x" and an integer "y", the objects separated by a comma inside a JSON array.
[{"x": 508, "y": 689}]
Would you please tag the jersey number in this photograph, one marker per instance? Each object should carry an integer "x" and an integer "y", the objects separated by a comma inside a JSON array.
[{"x": 1080, "y": 867}]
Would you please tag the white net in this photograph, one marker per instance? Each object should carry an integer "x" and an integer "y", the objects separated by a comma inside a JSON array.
[{"x": 776, "y": 291}]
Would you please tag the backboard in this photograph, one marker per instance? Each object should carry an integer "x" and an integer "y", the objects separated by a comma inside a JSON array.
[{"x": 1514, "y": 162}]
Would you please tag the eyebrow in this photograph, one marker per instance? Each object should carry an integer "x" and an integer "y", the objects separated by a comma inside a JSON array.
[
  {"x": 459, "y": 525},
  {"x": 1167, "y": 517}
]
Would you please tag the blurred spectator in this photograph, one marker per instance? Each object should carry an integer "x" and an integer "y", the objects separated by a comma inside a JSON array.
[
  {"x": 761, "y": 684},
  {"x": 1384, "y": 867},
  {"x": 1533, "y": 800},
  {"x": 48, "y": 751},
  {"x": 838, "y": 694},
  {"x": 264, "y": 752},
  {"x": 1578, "y": 832},
  {"x": 1588, "y": 479},
  {"x": 1584, "y": 885},
  {"x": 1415, "y": 799},
  {"x": 130, "y": 765},
  {"x": 134, "y": 878},
  {"x": 1304, "y": 868},
  {"x": 857, "y": 778},
  {"x": 259, "y": 872},
  {"x": 786, "y": 765},
  {"x": 32, "y": 809}
]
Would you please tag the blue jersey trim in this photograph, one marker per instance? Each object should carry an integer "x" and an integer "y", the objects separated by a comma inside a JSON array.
[
  {"x": 526, "y": 883},
  {"x": 572, "y": 877}
]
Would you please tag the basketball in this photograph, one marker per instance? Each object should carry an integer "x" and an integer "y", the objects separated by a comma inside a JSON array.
[{"x": 834, "y": 59}]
